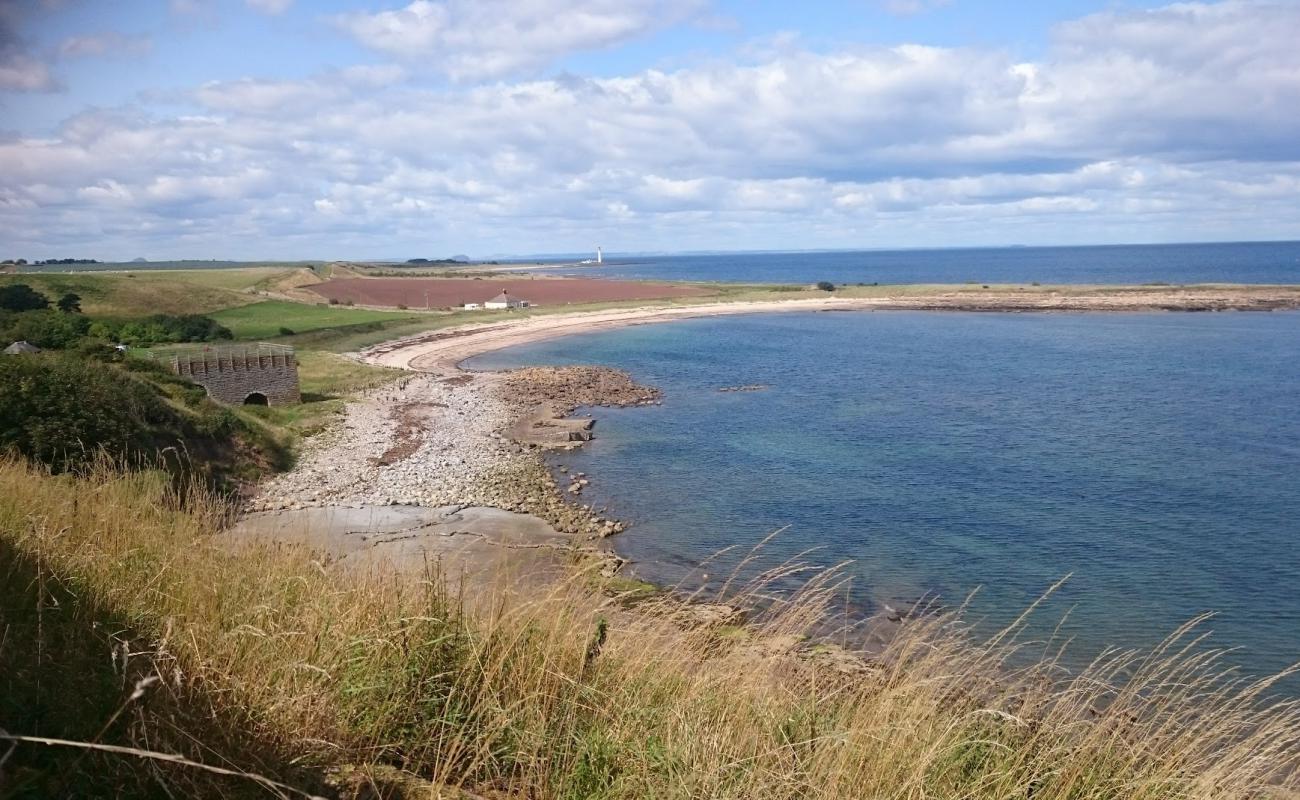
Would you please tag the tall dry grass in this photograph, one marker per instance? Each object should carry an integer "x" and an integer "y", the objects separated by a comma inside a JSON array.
[{"x": 565, "y": 695}]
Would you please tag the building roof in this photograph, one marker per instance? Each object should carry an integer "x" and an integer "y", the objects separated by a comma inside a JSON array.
[
  {"x": 504, "y": 297},
  {"x": 21, "y": 347}
]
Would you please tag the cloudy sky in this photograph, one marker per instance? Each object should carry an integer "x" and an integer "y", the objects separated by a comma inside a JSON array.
[{"x": 376, "y": 129}]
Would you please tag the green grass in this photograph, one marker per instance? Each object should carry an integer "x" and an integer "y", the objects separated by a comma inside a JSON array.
[
  {"x": 121, "y": 295},
  {"x": 326, "y": 380},
  {"x": 263, "y": 320}
]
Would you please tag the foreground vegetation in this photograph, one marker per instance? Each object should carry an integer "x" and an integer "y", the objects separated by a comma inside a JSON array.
[
  {"x": 128, "y": 623},
  {"x": 125, "y": 622},
  {"x": 67, "y": 410}
]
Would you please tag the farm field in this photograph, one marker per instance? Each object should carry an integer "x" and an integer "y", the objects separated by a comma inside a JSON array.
[{"x": 446, "y": 292}]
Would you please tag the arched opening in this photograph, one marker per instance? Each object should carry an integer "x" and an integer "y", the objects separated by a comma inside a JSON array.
[{"x": 256, "y": 399}]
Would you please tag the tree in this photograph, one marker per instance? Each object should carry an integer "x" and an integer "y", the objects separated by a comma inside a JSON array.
[
  {"x": 21, "y": 297},
  {"x": 826, "y": 286},
  {"x": 48, "y": 329},
  {"x": 70, "y": 303}
]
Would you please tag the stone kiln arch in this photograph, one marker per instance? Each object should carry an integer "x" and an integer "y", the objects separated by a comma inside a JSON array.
[{"x": 253, "y": 374}]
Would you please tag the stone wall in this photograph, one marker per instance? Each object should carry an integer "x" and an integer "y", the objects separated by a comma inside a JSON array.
[{"x": 233, "y": 376}]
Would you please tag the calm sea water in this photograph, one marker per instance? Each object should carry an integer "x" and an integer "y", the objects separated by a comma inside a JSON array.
[
  {"x": 1249, "y": 262},
  {"x": 1156, "y": 457}
]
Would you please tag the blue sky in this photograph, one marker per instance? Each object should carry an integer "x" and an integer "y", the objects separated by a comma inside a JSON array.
[{"x": 294, "y": 129}]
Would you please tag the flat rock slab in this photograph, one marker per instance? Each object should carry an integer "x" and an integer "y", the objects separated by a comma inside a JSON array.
[
  {"x": 547, "y": 426},
  {"x": 478, "y": 544}
]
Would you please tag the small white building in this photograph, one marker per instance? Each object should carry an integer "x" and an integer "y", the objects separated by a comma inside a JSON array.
[
  {"x": 21, "y": 348},
  {"x": 472, "y": 306},
  {"x": 505, "y": 300}
]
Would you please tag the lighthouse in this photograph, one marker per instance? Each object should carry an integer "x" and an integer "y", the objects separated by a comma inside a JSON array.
[{"x": 600, "y": 258}]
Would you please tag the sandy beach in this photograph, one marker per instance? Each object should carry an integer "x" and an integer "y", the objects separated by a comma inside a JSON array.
[{"x": 440, "y": 352}]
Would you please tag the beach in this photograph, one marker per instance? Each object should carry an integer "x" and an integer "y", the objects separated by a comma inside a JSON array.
[
  {"x": 440, "y": 352},
  {"x": 452, "y": 440}
]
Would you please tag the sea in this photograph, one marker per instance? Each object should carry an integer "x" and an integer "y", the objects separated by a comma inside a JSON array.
[
  {"x": 1233, "y": 262},
  {"x": 1151, "y": 459}
]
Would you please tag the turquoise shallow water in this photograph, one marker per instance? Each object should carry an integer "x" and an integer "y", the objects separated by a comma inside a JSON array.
[{"x": 1156, "y": 457}]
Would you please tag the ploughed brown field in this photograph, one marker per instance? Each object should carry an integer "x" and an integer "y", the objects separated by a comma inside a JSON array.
[{"x": 443, "y": 292}]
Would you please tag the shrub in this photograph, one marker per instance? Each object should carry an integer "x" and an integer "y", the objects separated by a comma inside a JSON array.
[
  {"x": 70, "y": 303},
  {"x": 286, "y": 331},
  {"x": 48, "y": 329},
  {"x": 826, "y": 286},
  {"x": 349, "y": 303},
  {"x": 334, "y": 301},
  {"x": 162, "y": 329},
  {"x": 21, "y": 297},
  {"x": 61, "y": 411}
]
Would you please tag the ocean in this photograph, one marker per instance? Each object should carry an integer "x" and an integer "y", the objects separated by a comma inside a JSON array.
[
  {"x": 1153, "y": 458},
  {"x": 1247, "y": 262}
]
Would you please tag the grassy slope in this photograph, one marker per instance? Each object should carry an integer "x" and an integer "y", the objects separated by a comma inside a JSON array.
[
  {"x": 291, "y": 663},
  {"x": 152, "y": 292}
]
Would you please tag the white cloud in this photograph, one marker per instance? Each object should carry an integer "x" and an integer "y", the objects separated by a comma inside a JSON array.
[
  {"x": 471, "y": 39},
  {"x": 1161, "y": 120},
  {"x": 109, "y": 43},
  {"x": 270, "y": 6},
  {"x": 20, "y": 72},
  {"x": 908, "y": 8},
  {"x": 20, "y": 69}
]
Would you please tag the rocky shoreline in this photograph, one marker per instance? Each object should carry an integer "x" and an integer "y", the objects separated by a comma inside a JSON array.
[{"x": 474, "y": 440}]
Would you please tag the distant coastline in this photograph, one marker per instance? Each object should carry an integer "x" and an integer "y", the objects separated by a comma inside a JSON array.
[{"x": 442, "y": 351}]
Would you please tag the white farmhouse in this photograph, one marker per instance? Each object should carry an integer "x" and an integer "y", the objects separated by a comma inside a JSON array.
[{"x": 504, "y": 300}]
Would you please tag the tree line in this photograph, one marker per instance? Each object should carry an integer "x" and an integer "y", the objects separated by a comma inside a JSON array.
[{"x": 28, "y": 315}]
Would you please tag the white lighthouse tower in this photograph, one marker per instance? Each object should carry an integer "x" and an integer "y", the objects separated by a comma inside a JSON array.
[{"x": 600, "y": 257}]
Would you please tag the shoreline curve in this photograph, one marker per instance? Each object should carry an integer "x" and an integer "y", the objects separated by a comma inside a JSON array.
[{"x": 441, "y": 351}]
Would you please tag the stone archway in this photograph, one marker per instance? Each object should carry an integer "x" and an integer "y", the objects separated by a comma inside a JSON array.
[{"x": 256, "y": 399}]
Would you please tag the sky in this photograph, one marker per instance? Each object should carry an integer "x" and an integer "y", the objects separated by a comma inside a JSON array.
[{"x": 355, "y": 129}]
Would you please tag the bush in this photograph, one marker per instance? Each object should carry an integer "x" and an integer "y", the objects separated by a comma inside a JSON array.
[
  {"x": 70, "y": 303},
  {"x": 334, "y": 301},
  {"x": 21, "y": 297},
  {"x": 48, "y": 329},
  {"x": 162, "y": 329},
  {"x": 826, "y": 286},
  {"x": 286, "y": 331},
  {"x": 61, "y": 411}
]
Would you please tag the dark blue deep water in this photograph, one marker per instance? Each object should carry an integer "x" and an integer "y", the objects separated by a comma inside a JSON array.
[
  {"x": 1154, "y": 456},
  {"x": 1245, "y": 262}
]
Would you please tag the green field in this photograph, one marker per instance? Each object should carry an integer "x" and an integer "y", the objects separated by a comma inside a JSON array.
[{"x": 264, "y": 320}]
